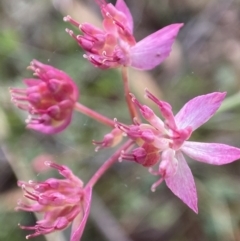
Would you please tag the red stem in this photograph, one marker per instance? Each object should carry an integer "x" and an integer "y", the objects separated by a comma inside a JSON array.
[
  {"x": 94, "y": 115},
  {"x": 108, "y": 163},
  {"x": 131, "y": 107}
]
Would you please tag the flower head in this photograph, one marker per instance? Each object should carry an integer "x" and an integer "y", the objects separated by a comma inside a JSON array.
[
  {"x": 49, "y": 99},
  {"x": 62, "y": 201},
  {"x": 166, "y": 141},
  {"x": 115, "y": 45}
]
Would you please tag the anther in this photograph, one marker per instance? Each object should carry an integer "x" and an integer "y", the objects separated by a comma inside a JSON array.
[
  {"x": 66, "y": 18},
  {"x": 47, "y": 163},
  {"x": 70, "y": 32}
]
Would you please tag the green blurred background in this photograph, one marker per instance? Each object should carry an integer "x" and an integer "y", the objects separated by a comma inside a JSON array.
[{"x": 205, "y": 58}]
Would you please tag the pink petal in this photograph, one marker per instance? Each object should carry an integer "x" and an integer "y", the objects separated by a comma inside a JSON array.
[
  {"x": 49, "y": 128},
  {"x": 32, "y": 82},
  {"x": 155, "y": 48},
  {"x": 80, "y": 222},
  {"x": 211, "y": 153},
  {"x": 199, "y": 110},
  {"x": 122, "y": 7},
  {"x": 182, "y": 183}
]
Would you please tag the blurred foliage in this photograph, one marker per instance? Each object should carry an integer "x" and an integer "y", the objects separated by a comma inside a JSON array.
[{"x": 205, "y": 58}]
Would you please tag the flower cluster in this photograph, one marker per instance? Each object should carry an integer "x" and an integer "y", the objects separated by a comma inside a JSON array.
[
  {"x": 115, "y": 45},
  {"x": 62, "y": 201},
  {"x": 166, "y": 141},
  {"x": 162, "y": 143}
]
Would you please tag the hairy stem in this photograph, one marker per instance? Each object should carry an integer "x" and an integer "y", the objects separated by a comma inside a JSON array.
[
  {"x": 94, "y": 115},
  {"x": 108, "y": 163},
  {"x": 131, "y": 107}
]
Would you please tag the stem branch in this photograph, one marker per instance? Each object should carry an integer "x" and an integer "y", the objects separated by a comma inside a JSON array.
[
  {"x": 131, "y": 106},
  {"x": 108, "y": 163},
  {"x": 94, "y": 115}
]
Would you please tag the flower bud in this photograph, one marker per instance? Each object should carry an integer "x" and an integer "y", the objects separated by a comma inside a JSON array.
[{"x": 110, "y": 140}]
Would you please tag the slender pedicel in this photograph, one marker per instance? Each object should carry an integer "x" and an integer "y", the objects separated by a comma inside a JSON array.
[
  {"x": 94, "y": 115},
  {"x": 108, "y": 163}
]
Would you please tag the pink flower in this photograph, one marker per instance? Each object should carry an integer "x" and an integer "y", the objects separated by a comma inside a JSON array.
[
  {"x": 168, "y": 140},
  {"x": 62, "y": 201},
  {"x": 49, "y": 99},
  {"x": 116, "y": 46}
]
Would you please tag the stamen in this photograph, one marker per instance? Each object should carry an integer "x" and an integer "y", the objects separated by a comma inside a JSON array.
[
  {"x": 94, "y": 61},
  {"x": 118, "y": 24},
  {"x": 153, "y": 172},
  {"x": 127, "y": 156},
  {"x": 17, "y": 91},
  {"x": 100, "y": 145},
  {"x": 120, "y": 159},
  {"x": 68, "y": 18},
  {"x": 70, "y": 32},
  {"x": 31, "y": 67},
  {"x": 136, "y": 102},
  {"x": 36, "y": 74},
  {"x": 21, "y": 106},
  {"x": 31, "y": 195},
  {"x": 152, "y": 97},
  {"x": 26, "y": 227},
  {"x": 101, "y": 2},
  {"x": 136, "y": 122},
  {"x": 19, "y": 98},
  {"x": 37, "y": 70},
  {"x": 121, "y": 126},
  {"x": 47, "y": 163},
  {"x": 156, "y": 184},
  {"x": 24, "y": 207},
  {"x": 54, "y": 165},
  {"x": 110, "y": 58}
]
